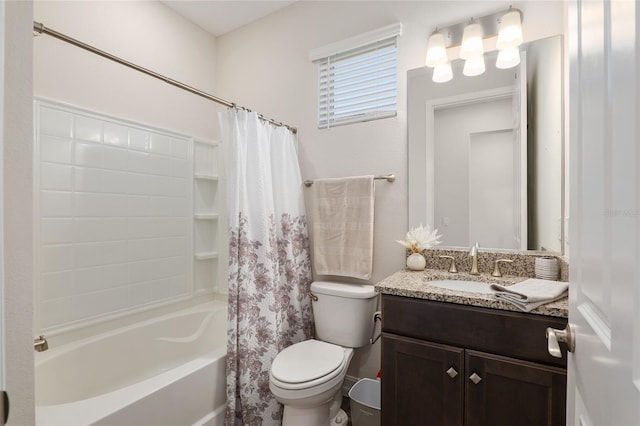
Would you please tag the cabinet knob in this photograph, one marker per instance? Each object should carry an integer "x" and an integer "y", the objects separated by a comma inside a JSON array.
[
  {"x": 452, "y": 372},
  {"x": 475, "y": 378}
]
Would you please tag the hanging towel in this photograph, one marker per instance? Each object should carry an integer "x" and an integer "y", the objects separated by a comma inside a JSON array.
[
  {"x": 529, "y": 294},
  {"x": 343, "y": 226}
]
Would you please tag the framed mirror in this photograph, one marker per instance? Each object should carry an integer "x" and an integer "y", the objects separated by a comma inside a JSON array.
[{"x": 486, "y": 152}]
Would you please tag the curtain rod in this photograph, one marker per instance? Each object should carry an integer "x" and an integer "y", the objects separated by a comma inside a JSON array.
[{"x": 39, "y": 28}]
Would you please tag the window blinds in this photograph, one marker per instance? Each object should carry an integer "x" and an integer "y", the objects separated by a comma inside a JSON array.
[{"x": 359, "y": 84}]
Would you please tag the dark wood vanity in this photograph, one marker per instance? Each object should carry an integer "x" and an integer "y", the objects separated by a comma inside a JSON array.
[{"x": 453, "y": 364}]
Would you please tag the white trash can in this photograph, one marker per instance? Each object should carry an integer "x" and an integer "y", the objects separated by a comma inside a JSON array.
[{"x": 365, "y": 403}]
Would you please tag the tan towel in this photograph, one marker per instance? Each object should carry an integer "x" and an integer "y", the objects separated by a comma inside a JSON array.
[
  {"x": 343, "y": 226},
  {"x": 531, "y": 293}
]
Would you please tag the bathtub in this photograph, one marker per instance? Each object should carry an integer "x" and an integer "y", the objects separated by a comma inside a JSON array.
[{"x": 164, "y": 371}]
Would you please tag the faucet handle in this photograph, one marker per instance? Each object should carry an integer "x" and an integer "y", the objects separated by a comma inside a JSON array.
[
  {"x": 452, "y": 268},
  {"x": 496, "y": 269}
]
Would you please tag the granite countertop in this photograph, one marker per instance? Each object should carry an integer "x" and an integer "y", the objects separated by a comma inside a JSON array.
[{"x": 416, "y": 284}]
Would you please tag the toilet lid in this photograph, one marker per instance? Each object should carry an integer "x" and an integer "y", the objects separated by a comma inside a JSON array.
[{"x": 306, "y": 361}]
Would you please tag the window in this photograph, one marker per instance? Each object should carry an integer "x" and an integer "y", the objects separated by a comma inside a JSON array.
[{"x": 358, "y": 79}]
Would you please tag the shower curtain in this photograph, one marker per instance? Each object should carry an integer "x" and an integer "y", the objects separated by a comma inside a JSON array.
[{"x": 269, "y": 261}]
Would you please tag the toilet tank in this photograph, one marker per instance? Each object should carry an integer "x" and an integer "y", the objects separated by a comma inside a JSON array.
[{"x": 343, "y": 313}]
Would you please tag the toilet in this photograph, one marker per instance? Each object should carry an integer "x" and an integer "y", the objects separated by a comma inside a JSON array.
[{"x": 307, "y": 377}]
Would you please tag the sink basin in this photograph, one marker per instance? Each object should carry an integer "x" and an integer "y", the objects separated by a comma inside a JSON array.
[{"x": 458, "y": 285}]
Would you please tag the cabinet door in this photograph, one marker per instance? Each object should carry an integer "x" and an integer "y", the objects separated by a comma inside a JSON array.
[
  {"x": 422, "y": 383},
  {"x": 505, "y": 391}
]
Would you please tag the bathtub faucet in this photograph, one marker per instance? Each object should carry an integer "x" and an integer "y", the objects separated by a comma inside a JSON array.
[{"x": 40, "y": 344}]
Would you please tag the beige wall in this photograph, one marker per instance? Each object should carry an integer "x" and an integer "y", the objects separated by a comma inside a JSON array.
[
  {"x": 146, "y": 33},
  {"x": 265, "y": 66},
  {"x": 16, "y": 138}
]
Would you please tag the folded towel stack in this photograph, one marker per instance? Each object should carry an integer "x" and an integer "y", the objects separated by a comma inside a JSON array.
[{"x": 529, "y": 294}]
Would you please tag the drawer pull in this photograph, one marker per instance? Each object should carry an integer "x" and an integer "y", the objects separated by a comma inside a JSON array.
[
  {"x": 452, "y": 372},
  {"x": 475, "y": 378}
]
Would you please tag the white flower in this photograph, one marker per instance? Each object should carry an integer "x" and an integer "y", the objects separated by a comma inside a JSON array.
[{"x": 421, "y": 238}]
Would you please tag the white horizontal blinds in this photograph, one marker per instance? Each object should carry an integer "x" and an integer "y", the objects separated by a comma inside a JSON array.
[{"x": 359, "y": 84}]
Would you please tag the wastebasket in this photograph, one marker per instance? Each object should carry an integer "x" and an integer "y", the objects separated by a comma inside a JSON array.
[{"x": 365, "y": 403}]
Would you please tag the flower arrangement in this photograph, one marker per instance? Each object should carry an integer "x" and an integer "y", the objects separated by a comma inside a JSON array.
[{"x": 421, "y": 238}]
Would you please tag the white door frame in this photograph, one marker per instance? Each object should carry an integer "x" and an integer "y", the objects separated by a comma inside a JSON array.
[
  {"x": 3, "y": 99},
  {"x": 16, "y": 208},
  {"x": 2, "y": 102}
]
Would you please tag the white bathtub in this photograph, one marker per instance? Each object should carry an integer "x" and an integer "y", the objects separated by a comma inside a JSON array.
[{"x": 165, "y": 371}]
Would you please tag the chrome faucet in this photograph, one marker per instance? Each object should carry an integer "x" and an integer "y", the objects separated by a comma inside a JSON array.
[
  {"x": 40, "y": 344},
  {"x": 473, "y": 252}
]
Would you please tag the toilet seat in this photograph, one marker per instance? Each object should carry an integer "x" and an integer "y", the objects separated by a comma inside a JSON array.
[{"x": 307, "y": 364}]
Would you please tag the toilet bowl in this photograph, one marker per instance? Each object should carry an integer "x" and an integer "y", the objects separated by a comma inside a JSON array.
[
  {"x": 307, "y": 389},
  {"x": 307, "y": 377}
]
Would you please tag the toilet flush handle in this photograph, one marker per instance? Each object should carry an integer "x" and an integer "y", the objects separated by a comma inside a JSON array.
[{"x": 377, "y": 316}]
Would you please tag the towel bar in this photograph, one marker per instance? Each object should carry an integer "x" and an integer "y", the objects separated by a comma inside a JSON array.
[{"x": 388, "y": 178}]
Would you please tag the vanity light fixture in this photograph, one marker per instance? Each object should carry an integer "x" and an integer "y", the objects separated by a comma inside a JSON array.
[
  {"x": 506, "y": 25},
  {"x": 438, "y": 58},
  {"x": 472, "y": 45},
  {"x": 510, "y": 32},
  {"x": 474, "y": 66},
  {"x": 442, "y": 73},
  {"x": 472, "y": 49},
  {"x": 509, "y": 39},
  {"x": 436, "y": 50},
  {"x": 508, "y": 58}
]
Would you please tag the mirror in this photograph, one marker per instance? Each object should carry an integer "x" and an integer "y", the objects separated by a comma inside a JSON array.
[{"x": 486, "y": 152}]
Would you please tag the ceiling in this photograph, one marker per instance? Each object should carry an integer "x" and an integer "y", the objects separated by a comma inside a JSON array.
[{"x": 221, "y": 16}]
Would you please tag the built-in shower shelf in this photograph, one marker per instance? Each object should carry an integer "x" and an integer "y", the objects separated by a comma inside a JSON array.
[
  {"x": 205, "y": 177},
  {"x": 205, "y": 216},
  {"x": 206, "y": 219},
  {"x": 206, "y": 255}
]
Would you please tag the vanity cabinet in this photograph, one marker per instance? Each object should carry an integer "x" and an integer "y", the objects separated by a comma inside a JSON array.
[{"x": 450, "y": 364}]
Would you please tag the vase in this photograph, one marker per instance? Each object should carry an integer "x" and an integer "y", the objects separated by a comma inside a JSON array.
[{"x": 416, "y": 262}]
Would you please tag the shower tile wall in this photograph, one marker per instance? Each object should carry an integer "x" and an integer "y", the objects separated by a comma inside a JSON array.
[{"x": 114, "y": 216}]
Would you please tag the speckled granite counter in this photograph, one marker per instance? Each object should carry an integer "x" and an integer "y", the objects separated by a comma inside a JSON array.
[{"x": 416, "y": 284}]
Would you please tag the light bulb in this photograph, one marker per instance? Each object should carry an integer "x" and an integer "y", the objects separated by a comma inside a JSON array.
[
  {"x": 510, "y": 32},
  {"x": 442, "y": 73},
  {"x": 508, "y": 58},
  {"x": 473, "y": 66},
  {"x": 436, "y": 50},
  {"x": 471, "y": 41}
]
